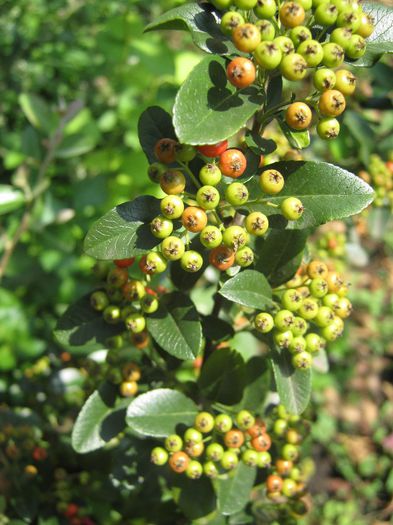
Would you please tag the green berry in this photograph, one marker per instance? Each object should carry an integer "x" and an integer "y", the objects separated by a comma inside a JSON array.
[
  {"x": 271, "y": 181},
  {"x": 250, "y": 457},
  {"x": 283, "y": 339},
  {"x": 264, "y": 459},
  {"x": 210, "y": 174},
  {"x": 328, "y": 128},
  {"x": 312, "y": 52},
  {"x": 280, "y": 427},
  {"x": 229, "y": 460},
  {"x": 302, "y": 361},
  {"x": 210, "y": 237},
  {"x": 214, "y": 452},
  {"x": 265, "y": 8},
  {"x": 112, "y": 314},
  {"x": 235, "y": 237},
  {"x": 159, "y": 456},
  {"x": 230, "y": 21},
  {"x": 313, "y": 343},
  {"x": 208, "y": 197},
  {"x": 194, "y": 470},
  {"x": 173, "y": 443},
  {"x": 161, "y": 227},
  {"x": 333, "y": 55},
  {"x": 191, "y": 261},
  {"x": 244, "y": 257},
  {"x": 292, "y": 300},
  {"x": 223, "y": 423},
  {"x": 136, "y": 323},
  {"x": 299, "y": 34},
  {"x": 99, "y": 301},
  {"x": 172, "y": 248},
  {"x": 264, "y": 322},
  {"x": 245, "y": 420},
  {"x": 184, "y": 152},
  {"x": 210, "y": 470},
  {"x": 298, "y": 344},
  {"x": 204, "y": 422},
  {"x": 318, "y": 287},
  {"x": 283, "y": 320},
  {"x": 257, "y": 223},
  {"x": 236, "y": 194},
  {"x": 268, "y": 55},
  {"x": 292, "y": 208},
  {"x": 300, "y": 326},
  {"x": 172, "y": 207},
  {"x": 149, "y": 304},
  {"x": 324, "y": 79},
  {"x": 192, "y": 435},
  {"x": 289, "y": 488},
  {"x": 290, "y": 452}
]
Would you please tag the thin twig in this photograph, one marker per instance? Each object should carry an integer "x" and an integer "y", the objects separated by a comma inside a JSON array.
[{"x": 40, "y": 186}]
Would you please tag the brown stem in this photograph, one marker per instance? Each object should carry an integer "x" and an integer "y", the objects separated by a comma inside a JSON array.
[{"x": 40, "y": 186}]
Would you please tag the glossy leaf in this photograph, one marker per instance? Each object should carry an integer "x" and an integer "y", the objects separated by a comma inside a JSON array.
[
  {"x": 326, "y": 191},
  {"x": 197, "y": 497},
  {"x": 234, "y": 492},
  {"x": 176, "y": 326},
  {"x": 203, "y": 24},
  {"x": 361, "y": 131},
  {"x": 293, "y": 385},
  {"x": 98, "y": 421},
  {"x": 124, "y": 231},
  {"x": 257, "y": 379},
  {"x": 222, "y": 109},
  {"x": 249, "y": 288},
  {"x": 10, "y": 198},
  {"x": 223, "y": 377},
  {"x": 158, "y": 412},
  {"x": 80, "y": 325},
  {"x": 296, "y": 139},
  {"x": 280, "y": 254},
  {"x": 381, "y": 41},
  {"x": 154, "y": 124}
]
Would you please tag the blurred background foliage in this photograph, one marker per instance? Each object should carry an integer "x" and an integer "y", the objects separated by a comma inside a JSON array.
[{"x": 75, "y": 76}]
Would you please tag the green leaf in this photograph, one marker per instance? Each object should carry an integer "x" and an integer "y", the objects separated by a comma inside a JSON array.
[
  {"x": 381, "y": 41},
  {"x": 203, "y": 24},
  {"x": 280, "y": 254},
  {"x": 124, "y": 231},
  {"x": 258, "y": 144},
  {"x": 320, "y": 362},
  {"x": 176, "y": 326},
  {"x": 257, "y": 385},
  {"x": 234, "y": 492},
  {"x": 99, "y": 421},
  {"x": 10, "y": 198},
  {"x": 223, "y": 377},
  {"x": 197, "y": 497},
  {"x": 361, "y": 131},
  {"x": 158, "y": 412},
  {"x": 296, "y": 139},
  {"x": 293, "y": 385},
  {"x": 222, "y": 109},
  {"x": 326, "y": 191},
  {"x": 154, "y": 124},
  {"x": 75, "y": 145},
  {"x": 38, "y": 112},
  {"x": 249, "y": 288},
  {"x": 81, "y": 325},
  {"x": 216, "y": 329}
]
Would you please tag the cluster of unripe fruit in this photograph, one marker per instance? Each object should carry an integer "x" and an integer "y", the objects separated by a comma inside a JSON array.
[
  {"x": 313, "y": 306},
  {"x": 125, "y": 300},
  {"x": 294, "y": 37},
  {"x": 331, "y": 244},
  {"x": 20, "y": 443},
  {"x": 201, "y": 213},
  {"x": 380, "y": 175},
  {"x": 217, "y": 444}
]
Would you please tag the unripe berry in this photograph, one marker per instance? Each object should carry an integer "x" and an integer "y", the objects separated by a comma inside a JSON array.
[
  {"x": 229, "y": 460},
  {"x": 214, "y": 452},
  {"x": 159, "y": 456},
  {"x": 223, "y": 423},
  {"x": 173, "y": 443},
  {"x": 264, "y": 322}
]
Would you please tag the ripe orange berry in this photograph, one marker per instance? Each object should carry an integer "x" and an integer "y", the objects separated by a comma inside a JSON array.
[
  {"x": 241, "y": 72},
  {"x": 273, "y": 483},
  {"x": 194, "y": 219},
  {"x": 222, "y": 258},
  {"x": 232, "y": 163},
  {"x": 298, "y": 116},
  {"x": 179, "y": 462},
  {"x": 234, "y": 439},
  {"x": 261, "y": 443}
]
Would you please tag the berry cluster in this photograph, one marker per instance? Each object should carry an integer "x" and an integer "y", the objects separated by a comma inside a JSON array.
[
  {"x": 131, "y": 374},
  {"x": 380, "y": 175},
  {"x": 309, "y": 303},
  {"x": 294, "y": 37},
  {"x": 201, "y": 213},
  {"x": 216, "y": 445},
  {"x": 332, "y": 243},
  {"x": 125, "y": 300},
  {"x": 74, "y": 514}
]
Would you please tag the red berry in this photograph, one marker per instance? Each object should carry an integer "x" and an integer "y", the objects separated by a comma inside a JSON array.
[{"x": 213, "y": 150}]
